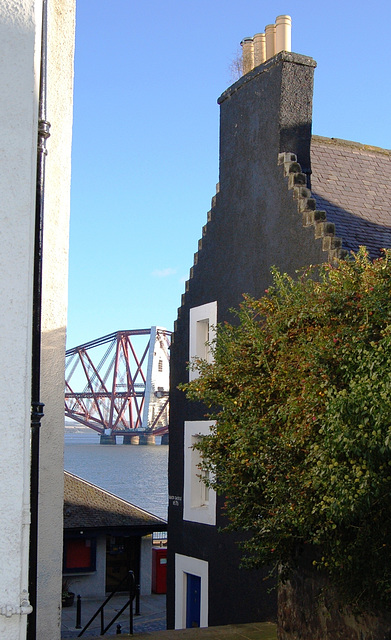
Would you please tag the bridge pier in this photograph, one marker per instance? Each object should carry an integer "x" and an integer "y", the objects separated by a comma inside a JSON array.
[
  {"x": 140, "y": 439},
  {"x": 131, "y": 439},
  {"x": 108, "y": 439},
  {"x": 147, "y": 439}
]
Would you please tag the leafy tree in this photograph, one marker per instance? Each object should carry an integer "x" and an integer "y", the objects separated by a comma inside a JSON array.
[{"x": 300, "y": 389}]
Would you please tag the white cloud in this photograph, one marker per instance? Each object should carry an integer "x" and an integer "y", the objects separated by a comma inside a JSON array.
[{"x": 164, "y": 273}]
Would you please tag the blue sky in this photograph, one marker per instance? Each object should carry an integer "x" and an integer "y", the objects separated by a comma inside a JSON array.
[{"x": 146, "y": 128}]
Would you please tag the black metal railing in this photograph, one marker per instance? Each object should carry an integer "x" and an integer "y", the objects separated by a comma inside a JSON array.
[{"x": 129, "y": 580}]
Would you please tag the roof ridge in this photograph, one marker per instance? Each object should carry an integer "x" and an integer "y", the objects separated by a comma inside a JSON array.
[{"x": 351, "y": 143}]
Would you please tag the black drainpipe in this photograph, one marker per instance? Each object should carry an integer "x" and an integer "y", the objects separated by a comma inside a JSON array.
[{"x": 36, "y": 404}]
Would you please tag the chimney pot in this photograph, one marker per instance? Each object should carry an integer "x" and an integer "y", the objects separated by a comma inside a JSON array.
[
  {"x": 259, "y": 49},
  {"x": 283, "y": 33},
  {"x": 270, "y": 36},
  {"x": 248, "y": 54}
]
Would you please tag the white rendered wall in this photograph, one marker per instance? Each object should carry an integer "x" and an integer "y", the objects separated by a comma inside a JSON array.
[
  {"x": 20, "y": 37},
  {"x": 61, "y": 28},
  {"x": 20, "y": 33},
  {"x": 146, "y": 566}
]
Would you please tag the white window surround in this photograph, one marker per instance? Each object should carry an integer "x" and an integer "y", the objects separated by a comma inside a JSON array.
[
  {"x": 199, "y": 502},
  {"x": 196, "y": 567},
  {"x": 203, "y": 320}
]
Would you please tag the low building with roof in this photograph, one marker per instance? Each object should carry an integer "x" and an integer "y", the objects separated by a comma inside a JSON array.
[{"x": 104, "y": 537}]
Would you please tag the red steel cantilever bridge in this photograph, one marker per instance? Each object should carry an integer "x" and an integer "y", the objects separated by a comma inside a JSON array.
[{"x": 119, "y": 384}]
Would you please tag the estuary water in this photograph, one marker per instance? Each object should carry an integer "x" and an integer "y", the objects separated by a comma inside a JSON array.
[{"x": 136, "y": 473}]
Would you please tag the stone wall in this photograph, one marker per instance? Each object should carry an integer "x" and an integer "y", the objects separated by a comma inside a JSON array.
[
  {"x": 309, "y": 610},
  {"x": 20, "y": 32},
  {"x": 19, "y": 76}
]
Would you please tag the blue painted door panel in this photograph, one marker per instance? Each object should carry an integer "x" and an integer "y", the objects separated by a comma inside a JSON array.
[{"x": 193, "y": 601}]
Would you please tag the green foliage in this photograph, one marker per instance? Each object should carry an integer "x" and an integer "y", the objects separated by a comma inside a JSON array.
[{"x": 300, "y": 389}]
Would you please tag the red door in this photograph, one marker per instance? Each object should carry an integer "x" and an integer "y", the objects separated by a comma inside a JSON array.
[{"x": 159, "y": 570}]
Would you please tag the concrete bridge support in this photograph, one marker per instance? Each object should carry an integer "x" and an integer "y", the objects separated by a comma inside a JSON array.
[
  {"x": 108, "y": 439},
  {"x": 140, "y": 439}
]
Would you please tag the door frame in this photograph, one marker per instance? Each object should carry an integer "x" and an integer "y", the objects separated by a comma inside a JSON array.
[{"x": 197, "y": 567}]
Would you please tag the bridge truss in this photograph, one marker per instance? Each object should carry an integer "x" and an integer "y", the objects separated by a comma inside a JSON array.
[{"x": 118, "y": 384}]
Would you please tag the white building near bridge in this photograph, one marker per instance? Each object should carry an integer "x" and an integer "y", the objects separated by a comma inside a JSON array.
[{"x": 20, "y": 33}]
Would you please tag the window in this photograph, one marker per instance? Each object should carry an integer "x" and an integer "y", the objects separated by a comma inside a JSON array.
[
  {"x": 199, "y": 502},
  {"x": 191, "y": 592},
  {"x": 79, "y": 555},
  {"x": 203, "y": 319},
  {"x": 199, "y": 491}
]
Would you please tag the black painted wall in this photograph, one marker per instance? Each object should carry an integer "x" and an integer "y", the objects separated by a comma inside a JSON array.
[{"x": 254, "y": 224}]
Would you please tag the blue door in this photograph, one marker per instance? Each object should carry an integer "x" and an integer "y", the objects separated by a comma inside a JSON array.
[{"x": 193, "y": 601}]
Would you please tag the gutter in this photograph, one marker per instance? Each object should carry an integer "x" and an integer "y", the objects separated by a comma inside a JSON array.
[{"x": 36, "y": 404}]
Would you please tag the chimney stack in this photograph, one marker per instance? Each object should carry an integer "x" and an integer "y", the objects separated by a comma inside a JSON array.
[{"x": 263, "y": 46}]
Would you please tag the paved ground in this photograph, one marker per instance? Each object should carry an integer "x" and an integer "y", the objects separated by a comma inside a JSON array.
[
  {"x": 151, "y": 624},
  {"x": 152, "y": 616},
  {"x": 259, "y": 631},
  {"x": 255, "y": 631}
]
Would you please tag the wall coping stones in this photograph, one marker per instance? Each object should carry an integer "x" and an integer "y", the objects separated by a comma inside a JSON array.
[
  {"x": 306, "y": 205},
  {"x": 283, "y": 56}
]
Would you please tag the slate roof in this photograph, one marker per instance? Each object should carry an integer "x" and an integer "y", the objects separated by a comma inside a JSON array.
[
  {"x": 89, "y": 506},
  {"x": 351, "y": 182}
]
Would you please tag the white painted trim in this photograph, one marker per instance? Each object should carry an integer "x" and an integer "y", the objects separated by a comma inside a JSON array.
[
  {"x": 193, "y": 510},
  {"x": 183, "y": 566},
  {"x": 203, "y": 320}
]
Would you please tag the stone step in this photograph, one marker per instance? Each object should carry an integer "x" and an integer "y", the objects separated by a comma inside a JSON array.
[{"x": 253, "y": 631}]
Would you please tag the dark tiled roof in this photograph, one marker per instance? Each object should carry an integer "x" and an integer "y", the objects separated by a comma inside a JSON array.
[
  {"x": 89, "y": 506},
  {"x": 352, "y": 183}
]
